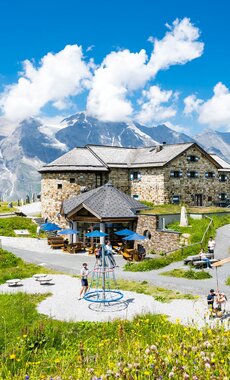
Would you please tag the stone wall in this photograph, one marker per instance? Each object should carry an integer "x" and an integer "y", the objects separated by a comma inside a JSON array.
[
  {"x": 207, "y": 189},
  {"x": 150, "y": 186},
  {"x": 56, "y": 187},
  {"x": 120, "y": 179},
  {"x": 160, "y": 241}
]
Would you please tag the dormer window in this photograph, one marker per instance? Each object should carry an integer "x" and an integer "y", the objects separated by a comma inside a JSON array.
[
  {"x": 192, "y": 174},
  {"x": 210, "y": 175},
  {"x": 223, "y": 178},
  {"x": 135, "y": 176},
  {"x": 193, "y": 158},
  {"x": 176, "y": 173}
]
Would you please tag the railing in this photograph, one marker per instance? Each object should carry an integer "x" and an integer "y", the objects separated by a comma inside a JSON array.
[{"x": 200, "y": 244}]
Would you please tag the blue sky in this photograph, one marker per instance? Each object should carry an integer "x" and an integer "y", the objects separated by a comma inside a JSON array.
[{"x": 60, "y": 57}]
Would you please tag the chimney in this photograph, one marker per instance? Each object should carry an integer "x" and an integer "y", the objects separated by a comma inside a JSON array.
[{"x": 159, "y": 148}]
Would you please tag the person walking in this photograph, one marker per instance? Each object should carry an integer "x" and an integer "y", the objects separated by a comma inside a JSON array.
[{"x": 84, "y": 280}]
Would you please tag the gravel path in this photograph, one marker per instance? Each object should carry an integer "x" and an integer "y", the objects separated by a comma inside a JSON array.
[{"x": 63, "y": 304}]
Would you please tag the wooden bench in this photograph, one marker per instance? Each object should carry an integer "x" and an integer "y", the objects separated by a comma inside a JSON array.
[
  {"x": 57, "y": 245},
  {"x": 39, "y": 276},
  {"x": 45, "y": 281},
  {"x": 55, "y": 239},
  {"x": 192, "y": 259},
  {"x": 127, "y": 256},
  {"x": 203, "y": 264},
  {"x": 14, "y": 282}
]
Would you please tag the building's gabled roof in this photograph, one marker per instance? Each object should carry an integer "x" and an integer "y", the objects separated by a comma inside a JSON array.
[
  {"x": 225, "y": 166},
  {"x": 105, "y": 202},
  {"x": 102, "y": 158},
  {"x": 80, "y": 159}
]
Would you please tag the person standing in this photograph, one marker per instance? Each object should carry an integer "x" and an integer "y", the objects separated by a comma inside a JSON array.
[
  {"x": 109, "y": 254},
  {"x": 211, "y": 245},
  {"x": 210, "y": 298},
  {"x": 84, "y": 280}
]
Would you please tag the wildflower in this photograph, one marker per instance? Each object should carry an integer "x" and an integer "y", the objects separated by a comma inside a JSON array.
[
  {"x": 171, "y": 374},
  {"x": 207, "y": 365},
  {"x": 153, "y": 347},
  {"x": 24, "y": 336},
  {"x": 27, "y": 377},
  {"x": 147, "y": 351},
  {"x": 12, "y": 356},
  {"x": 185, "y": 376},
  {"x": 57, "y": 360}
]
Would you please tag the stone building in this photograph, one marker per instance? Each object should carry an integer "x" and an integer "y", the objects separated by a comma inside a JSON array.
[{"x": 160, "y": 174}]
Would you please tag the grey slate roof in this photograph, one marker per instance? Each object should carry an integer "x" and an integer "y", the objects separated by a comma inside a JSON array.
[
  {"x": 225, "y": 166},
  {"x": 101, "y": 158},
  {"x": 104, "y": 202},
  {"x": 79, "y": 159}
]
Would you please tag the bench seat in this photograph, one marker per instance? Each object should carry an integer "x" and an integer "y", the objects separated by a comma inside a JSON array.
[
  {"x": 203, "y": 264},
  {"x": 45, "y": 280},
  {"x": 14, "y": 282},
  {"x": 191, "y": 259}
]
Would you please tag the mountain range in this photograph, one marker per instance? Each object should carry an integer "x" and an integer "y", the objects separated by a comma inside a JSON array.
[{"x": 32, "y": 144}]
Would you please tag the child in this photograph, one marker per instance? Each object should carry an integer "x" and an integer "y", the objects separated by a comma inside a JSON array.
[{"x": 84, "y": 280}]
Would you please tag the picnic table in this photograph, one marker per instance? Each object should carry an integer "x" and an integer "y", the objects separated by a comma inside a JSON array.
[
  {"x": 14, "y": 282},
  {"x": 192, "y": 259}
]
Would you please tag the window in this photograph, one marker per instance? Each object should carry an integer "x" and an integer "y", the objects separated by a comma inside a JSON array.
[
  {"x": 223, "y": 178},
  {"x": 147, "y": 234},
  {"x": 192, "y": 158},
  {"x": 209, "y": 199},
  {"x": 176, "y": 199},
  {"x": 222, "y": 196},
  {"x": 135, "y": 176},
  {"x": 72, "y": 180},
  {"x": 210, "y": 175},
  {"x": 176, "y": 173},
  {"x": 192, "y": 174},
  {"x": 136, "y": 196},
  {"x": 98, "y": 179},
  {"x": 59, "y": 185}
]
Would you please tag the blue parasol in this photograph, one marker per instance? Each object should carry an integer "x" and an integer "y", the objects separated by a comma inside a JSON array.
[
  {"x": 50, "y": 227},
  {"x": 125, "y": 232},
  {"x": 96, "y": 233},
  {"x": 68, "y": 231},
  {"x": 134, "y": 237}
]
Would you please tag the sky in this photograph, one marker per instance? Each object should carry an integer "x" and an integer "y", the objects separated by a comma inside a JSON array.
[{"x": 163, "y": 62}]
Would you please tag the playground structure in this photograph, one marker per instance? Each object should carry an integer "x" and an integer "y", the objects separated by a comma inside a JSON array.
[{"x": 103, "y": 287}]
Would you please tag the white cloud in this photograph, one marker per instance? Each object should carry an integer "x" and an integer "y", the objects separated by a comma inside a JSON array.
[
  {"x": 123, "y": 72},
  {"x": 192, "y": 104},
  {"x": 178, "y": 46},
  {"x": 114, "y": 84},
  {"x": 58, "y": 76},
  {"x": 215, "y": 112},
  {"x": 152, "y": 109},
  {"x": 119, "y": 74}
]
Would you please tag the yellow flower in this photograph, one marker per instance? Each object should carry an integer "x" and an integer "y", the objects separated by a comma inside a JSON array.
[
  {"x": 24, "y": 336},
  {"x": 12, "y": 356},
  {"x": 57, "y": 360}
]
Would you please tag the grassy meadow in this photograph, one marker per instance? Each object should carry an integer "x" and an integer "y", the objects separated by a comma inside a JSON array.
[
  {"x": 196, "y": 230},
  {"x": 33, "y": 346}
]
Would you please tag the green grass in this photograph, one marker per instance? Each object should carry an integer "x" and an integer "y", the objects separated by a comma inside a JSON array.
[
  {"x": 149, "y": 347},
  {"x": 228, "y": 281},
  {"x": 190, "y": 274},
  {"x": 14, "y": 267},
  {"x": 196, "y": 230},
  {"x": 8, "y": 225},
  {"x": 159, "y": 294},
  {"x": 4, "y": 208},
  {"x": 176, "y": 209}
]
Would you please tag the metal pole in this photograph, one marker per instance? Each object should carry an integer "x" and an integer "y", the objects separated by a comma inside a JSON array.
[
  {"x": 217, "y": 282},
  {"x": 103, "y": 271}
]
